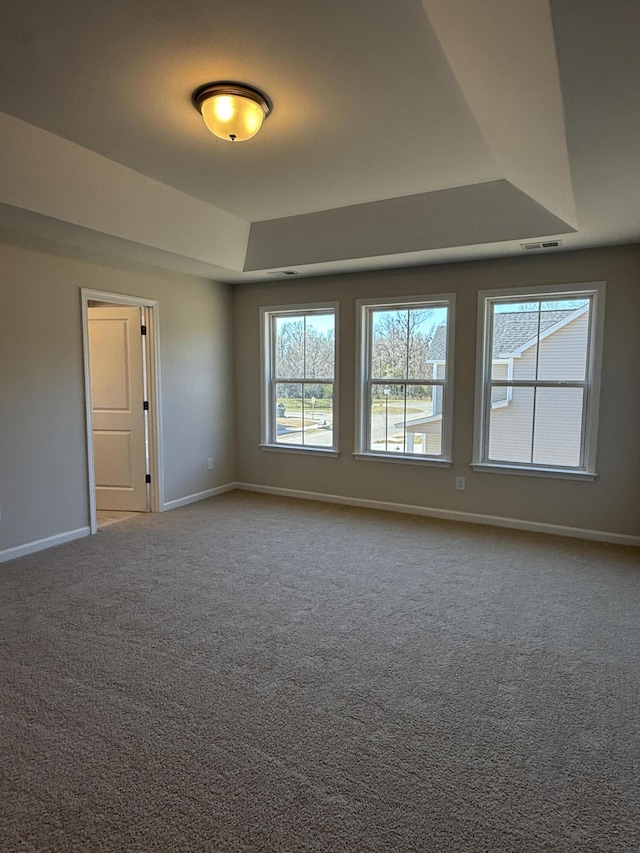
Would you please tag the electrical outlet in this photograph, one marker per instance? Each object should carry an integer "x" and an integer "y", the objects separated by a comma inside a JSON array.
[
  {"x": 460, "y": 484},
  {"x": 210, "y": 463}
]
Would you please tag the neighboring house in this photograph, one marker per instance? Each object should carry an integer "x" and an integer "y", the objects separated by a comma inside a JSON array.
[{"x": 563, "y": 335}]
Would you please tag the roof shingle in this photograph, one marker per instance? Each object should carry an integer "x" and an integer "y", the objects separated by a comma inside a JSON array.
[{"x": 510, "y": 330}]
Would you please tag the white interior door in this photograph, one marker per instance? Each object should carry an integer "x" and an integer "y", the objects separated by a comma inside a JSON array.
[{"x": 117, "y": 408}]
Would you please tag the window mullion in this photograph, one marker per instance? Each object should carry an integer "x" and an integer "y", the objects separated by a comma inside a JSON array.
[
  {"x": 407, "y": 345},
  {"x": 537, "y": 383},
  {"x": 535, "y": 387},
  {"x": 304, "y": 374},
  {"x": 488, "y": 332},
  {"x": 583, "y": 437},
  {"x": 273, "y": 413}
]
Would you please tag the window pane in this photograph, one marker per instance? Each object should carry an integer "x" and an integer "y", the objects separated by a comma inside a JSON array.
[
  {"x": 320, "y": 346},
  {"x": 389, "y": 336},
  {"x": 427, "y": 330},
  {"x": 403, "y": 420},
  {"x": 318, "y": 415},
  {"x": 422, "y": 424},
  {"x": 304, "y": 414},
  {"x": 558, "y": 427},
  {"x": 541, "y": 340},
  {"x": 563, "y": 353},
  {"x": 565, "y": 304},
  {"x": 405, "y": 343},
  {"x": 289, "y": 347},
  {"x": 386, "y": 406},
  {"x": 511, "y": 427},
  {"x": 289, "y": 413},
  {"x": 305, "y": 346},
  {"x": 514, "y": 344},
  {"x": 542, "y": 426}
]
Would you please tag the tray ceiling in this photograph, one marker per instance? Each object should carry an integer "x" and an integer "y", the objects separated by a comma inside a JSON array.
[{"x": 401, "y": 133}]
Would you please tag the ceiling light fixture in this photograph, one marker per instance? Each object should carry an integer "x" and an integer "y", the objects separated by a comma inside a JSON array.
[{"x": 231, "y": 111}]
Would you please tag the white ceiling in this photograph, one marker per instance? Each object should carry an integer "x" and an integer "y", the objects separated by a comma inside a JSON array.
[{"x": 408, "y": 132}]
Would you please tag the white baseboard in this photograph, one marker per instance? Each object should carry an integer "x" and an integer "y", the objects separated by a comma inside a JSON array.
[
  {"x": 388, "y": 506},
  {"x": 41, "y": 544},
  {"x": 199, "y": 496},
  {"x": 450, "y": 515}
]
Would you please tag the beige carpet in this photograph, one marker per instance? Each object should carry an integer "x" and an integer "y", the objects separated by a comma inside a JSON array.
[{"x": 258, "y": 674}]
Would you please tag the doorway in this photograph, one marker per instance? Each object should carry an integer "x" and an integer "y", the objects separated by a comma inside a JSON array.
[{"x": 122, "y": 404}]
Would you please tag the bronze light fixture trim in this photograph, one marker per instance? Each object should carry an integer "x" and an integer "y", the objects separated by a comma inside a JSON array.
[{"x": 232, "y": 111}]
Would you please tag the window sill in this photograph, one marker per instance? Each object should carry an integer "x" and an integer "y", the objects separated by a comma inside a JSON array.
[
  {"x": 403, "y": 460},
  {"x": 552, "y": 473},
  {"x": 307, "y": 451}
]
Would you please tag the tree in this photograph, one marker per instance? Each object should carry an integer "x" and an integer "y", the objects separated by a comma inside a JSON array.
[
  {"x": 319, "y": 354},
  {"x": 400, "y": 344},
  {"x": 303, "y": 352},
  {"x": 289, "y": 349}
]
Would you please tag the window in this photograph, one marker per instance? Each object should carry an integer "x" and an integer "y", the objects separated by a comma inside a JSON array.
[
  {"x": 405, "y": 393},
  {"x": 299, "y": 356},
  {"x": 539, "y": 367}
]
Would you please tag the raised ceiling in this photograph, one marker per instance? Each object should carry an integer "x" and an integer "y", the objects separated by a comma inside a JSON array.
[{"x": 402, "y": 133}]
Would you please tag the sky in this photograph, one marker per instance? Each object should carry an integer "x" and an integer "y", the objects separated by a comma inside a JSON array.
[{"x": 547, "y": 305}]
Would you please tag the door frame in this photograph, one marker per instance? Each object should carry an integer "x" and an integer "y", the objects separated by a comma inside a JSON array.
[{"x": 152, "y": 379}]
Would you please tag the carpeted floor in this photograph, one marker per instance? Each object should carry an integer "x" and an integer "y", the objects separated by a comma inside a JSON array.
[{"x": 253, "y": 673}]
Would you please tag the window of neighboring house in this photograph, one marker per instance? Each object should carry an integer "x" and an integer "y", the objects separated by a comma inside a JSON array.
[
  {"x": 405, "y": 390},
  {"x": 500, "y": 394},
  {"x": 299, "y": 369},
  {"x": 538, "y": 381}
]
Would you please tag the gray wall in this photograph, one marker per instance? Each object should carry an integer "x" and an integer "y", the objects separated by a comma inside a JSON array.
[
  {"x": 43, "y": 465},
  {"x": 611, "y": 503}
]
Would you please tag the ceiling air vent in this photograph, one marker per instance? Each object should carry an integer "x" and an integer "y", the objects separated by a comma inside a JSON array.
[
  {"x": 284, "y": 272},
  {"x": 546, "y": 244}
]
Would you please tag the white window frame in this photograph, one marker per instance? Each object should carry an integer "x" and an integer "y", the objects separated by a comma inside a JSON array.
[
  {"x": 486, "y": 299},
  {"x": 364, "y": 308},
  {"x": 268, "y": 314}
]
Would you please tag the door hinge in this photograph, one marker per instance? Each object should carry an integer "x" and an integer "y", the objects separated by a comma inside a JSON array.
[
  {"x": 145, "y": 405},
  {"x": 147, "y": 478},
  {"x": 143, "y": 330}
]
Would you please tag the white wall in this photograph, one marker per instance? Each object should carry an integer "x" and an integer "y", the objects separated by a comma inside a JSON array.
[
  {"x": 43, "y": 465},
  {"x": 610, "y": 504}
]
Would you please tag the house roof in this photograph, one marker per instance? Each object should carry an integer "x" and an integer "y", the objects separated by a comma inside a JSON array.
[
  {"x": 513, "y": 329},
  {"x": 437, "y": 347},
  {"x": 510, "y": 331},
  {"x": 404, "y": 133}
]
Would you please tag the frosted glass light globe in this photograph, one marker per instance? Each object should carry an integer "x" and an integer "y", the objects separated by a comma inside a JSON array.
[{"x": 231, "y": 111}]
